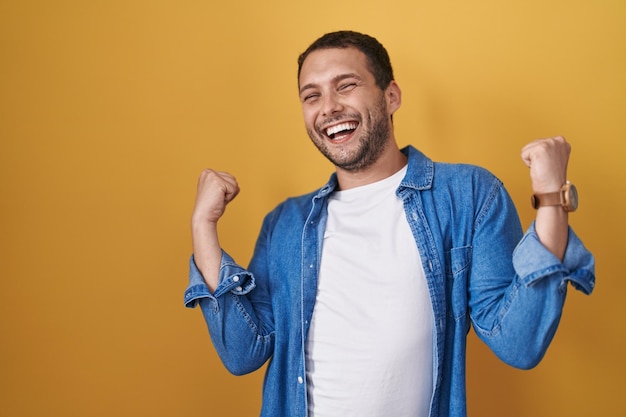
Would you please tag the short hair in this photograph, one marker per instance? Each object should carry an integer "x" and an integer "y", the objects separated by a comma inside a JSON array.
[{"x": 378, "y": 60}]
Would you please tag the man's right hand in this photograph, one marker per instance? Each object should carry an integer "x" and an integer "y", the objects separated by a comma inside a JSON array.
[{"x": 215, "y": 190}]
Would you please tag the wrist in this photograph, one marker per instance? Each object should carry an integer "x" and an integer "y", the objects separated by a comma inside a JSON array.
[
  {"x": 566, "y": 198},
  {"x": 202, "y": 221},
  {"x": 550, "y": 186}
]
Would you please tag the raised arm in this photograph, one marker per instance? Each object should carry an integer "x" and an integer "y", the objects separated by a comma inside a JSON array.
[
  {"x": 215, "y": 190},
  {"x": 517, "y": 316}
]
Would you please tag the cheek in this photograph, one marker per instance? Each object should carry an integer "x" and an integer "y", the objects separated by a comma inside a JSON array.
[{"x": 309, "y": 117}]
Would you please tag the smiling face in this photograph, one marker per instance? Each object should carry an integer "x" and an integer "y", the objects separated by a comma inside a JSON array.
[{"x": 347, "y": 116}]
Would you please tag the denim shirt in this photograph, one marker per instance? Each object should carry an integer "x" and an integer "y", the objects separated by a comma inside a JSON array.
[{"x": 481, "y": 271}]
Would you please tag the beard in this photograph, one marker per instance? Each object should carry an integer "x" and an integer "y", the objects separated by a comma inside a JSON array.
[{"x": 371, "y": 143}]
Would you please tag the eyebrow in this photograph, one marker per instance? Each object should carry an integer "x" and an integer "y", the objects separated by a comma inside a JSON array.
[{"x": 335, "y": 80}]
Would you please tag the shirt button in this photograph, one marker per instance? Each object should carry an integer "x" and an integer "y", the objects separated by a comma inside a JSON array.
[
  {"x": 239, "y": 288},
  {"x": 300, "y": 380},
  {"x": 236, "y": 278}
]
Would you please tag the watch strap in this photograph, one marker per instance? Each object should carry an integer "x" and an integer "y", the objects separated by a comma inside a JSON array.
[{"x": 547, "y": 199}]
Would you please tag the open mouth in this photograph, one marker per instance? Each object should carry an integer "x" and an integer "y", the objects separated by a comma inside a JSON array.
[{"x": 341, "y": 130}]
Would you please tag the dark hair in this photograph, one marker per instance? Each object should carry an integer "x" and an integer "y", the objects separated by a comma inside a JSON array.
[{"x": 376, "y": 54}]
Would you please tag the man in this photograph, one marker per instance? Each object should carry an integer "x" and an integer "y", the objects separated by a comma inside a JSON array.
[{"x": 361, "y": 293}]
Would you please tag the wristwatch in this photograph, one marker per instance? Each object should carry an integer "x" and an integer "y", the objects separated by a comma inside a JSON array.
[{"x": 566, "y": 197}]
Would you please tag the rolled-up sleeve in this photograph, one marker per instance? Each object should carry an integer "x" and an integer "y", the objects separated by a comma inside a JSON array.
[
  {"x": 533, "y": 262},
  {"x": 232, "y": 278}
]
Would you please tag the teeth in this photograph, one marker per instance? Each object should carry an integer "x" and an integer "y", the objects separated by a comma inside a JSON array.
[{"x": 340, "y": 127}]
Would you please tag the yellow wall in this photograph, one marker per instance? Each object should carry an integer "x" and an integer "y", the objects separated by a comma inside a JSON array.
[{"x": 109, "y": 110}]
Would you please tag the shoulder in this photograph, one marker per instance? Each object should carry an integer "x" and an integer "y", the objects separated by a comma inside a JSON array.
[
  {"x": 424, "y": 173},
  {"x": 463, "y": 173},
  {"x": 466, "y": 182}
]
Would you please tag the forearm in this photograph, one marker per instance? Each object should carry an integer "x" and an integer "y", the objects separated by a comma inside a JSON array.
[
  {"x": 207, "y": 251},
  {"x": 547, "y": 160},
  {"x": 215, "y": 190},
  {"x": 551, "y": 226}
]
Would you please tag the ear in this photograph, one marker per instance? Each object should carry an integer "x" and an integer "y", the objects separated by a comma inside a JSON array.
[{"x": 393, "y": 95}]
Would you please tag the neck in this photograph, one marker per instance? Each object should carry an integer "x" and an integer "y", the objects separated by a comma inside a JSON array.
[{"x": 389, "y": 162}]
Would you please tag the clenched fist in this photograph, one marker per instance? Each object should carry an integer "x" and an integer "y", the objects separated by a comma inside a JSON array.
[
  {"x": 215, "y": 190},
  {"x": 547, "y": 160}
]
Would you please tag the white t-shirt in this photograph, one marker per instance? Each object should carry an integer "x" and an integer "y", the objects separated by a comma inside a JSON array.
[{"x": 369, "y": 350}]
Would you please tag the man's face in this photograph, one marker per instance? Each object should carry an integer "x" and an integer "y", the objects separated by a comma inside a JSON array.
[{"x": 345, "y": 112}]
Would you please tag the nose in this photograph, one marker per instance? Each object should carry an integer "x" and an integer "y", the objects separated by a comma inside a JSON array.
[{"x": 331, "y": 105}]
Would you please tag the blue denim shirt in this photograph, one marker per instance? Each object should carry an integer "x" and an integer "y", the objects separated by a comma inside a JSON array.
[{"x": 480, "y": 270}]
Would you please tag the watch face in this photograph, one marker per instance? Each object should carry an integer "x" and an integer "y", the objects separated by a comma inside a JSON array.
[{"x": 573, "y": 198}]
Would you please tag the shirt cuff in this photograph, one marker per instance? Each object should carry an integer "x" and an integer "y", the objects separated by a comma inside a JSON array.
[
  {"x": 232, "y": 279},
  {"x": 533, "y": 261}
]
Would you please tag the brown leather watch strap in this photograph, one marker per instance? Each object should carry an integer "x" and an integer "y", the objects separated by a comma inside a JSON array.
[{"x": 547, "y": 199}]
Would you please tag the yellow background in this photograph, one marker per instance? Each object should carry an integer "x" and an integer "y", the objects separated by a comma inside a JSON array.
[{"x": 110, "y": 109}]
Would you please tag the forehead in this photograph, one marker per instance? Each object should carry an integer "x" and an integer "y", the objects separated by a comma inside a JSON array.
[{"x": 326, "y": 64}]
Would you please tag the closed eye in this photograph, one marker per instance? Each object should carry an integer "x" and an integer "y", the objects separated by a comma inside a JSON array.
[
  {"x": 310, "y": 97},
  {"x": 347, "y": 87}
]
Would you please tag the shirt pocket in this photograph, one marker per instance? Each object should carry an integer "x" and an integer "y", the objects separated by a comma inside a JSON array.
[{"x": 458, "y": 261}]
